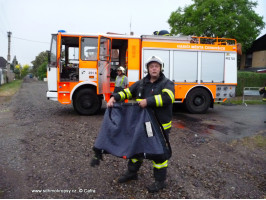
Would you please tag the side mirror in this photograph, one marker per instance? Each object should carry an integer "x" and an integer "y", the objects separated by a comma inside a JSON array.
[{"x": 49, "y": 55}]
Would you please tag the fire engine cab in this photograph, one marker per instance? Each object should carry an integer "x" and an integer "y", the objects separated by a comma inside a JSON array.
[{"x": 82, "y": 67}]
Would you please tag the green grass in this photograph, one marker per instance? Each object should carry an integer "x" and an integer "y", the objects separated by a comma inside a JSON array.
[
  {"x": 239, "y": 100},
  {"x": 256, "y": 141},
  {"x": 1, "y": 193},
  {"x": 9, "y": 89}
]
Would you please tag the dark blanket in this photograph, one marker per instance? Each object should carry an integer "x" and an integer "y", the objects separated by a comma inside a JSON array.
[{"x": 124, "y": 132}]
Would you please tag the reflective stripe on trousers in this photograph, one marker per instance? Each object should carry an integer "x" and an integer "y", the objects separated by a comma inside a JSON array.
[
  {"x": 167, "y": 125},
  {"x": 155, "y": 165},
  {"x": 160, "y": 165}
]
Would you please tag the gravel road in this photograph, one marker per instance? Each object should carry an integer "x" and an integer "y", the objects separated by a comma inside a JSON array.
[{"x": 45, "y": 151}]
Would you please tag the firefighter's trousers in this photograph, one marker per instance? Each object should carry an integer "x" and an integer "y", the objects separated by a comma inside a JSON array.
[{"x": 159, "y": 166}]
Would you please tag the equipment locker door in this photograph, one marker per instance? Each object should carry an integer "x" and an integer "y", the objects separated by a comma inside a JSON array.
[{"x": 104, "y": 65}]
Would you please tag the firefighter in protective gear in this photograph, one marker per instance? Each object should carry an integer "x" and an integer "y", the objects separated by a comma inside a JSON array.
[
  {"x": 155, "y": 91},
  {"x": 121, "y": 81},
  {"x": 263, "y": 91}
]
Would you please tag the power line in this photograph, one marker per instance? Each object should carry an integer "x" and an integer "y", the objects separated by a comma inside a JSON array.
[
  {"x": 3, "y": 19},
  {"x": 2, "y": 32},
  {"x": 30, "y": 40}
]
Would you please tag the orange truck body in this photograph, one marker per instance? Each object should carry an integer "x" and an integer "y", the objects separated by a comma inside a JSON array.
[{"x": 204, "y": 70}]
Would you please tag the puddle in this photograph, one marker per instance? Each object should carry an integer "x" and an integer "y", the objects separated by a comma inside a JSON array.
[
  {"x": 179, "y": 124},
  {"x": 185, "y": 118},
  {"x": 200, "y": 126}
]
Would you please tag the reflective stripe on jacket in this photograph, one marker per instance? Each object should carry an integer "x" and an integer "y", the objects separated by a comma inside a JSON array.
[
  {"x": 121, "y": 83},
  {"x": 159, "y": 95}
]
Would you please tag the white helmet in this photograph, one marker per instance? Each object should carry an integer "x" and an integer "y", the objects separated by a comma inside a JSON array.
[
  {"x": 155, "y": 59},
  {"x": 121, "y": 69}
]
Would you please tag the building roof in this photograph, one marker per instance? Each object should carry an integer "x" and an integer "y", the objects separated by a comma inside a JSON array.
[
  {"x": 258, "y": 45},
  {"x": 3, "y": 63}
]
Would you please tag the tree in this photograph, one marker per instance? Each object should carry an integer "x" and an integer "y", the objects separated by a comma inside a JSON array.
[
  {"x": 25, "y": 70},
  {"x": 21, "y": 72},
  {"x": 14, "y": 63},
  {"x": 17, "y": 71},
  {"x": 42, "y": 71},
  {"x": 39, "y": 60},
  {"x": 223, "y": 18}
]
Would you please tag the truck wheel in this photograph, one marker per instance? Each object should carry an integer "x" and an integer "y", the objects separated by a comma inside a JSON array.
[
  {"x": 198, "y": 101},
  {"x": 86, "y": 102}
]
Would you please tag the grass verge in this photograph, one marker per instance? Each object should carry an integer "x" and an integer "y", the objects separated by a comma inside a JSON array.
[
  {"x": 9, "y": 89},
  {"x": 249, "y": 100},
  {"x": 256, "y": 141}
]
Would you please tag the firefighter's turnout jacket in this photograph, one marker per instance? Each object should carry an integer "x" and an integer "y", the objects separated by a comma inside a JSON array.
[
  {"x": 159, "y": 95},
  {"x": 263, "y": 91}
]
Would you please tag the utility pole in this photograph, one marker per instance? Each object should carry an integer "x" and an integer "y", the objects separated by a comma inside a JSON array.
[
  {"x": 9, "y": 74},
  {"x": 130, "y": 32},
  {"x": 9, "y": 44}
]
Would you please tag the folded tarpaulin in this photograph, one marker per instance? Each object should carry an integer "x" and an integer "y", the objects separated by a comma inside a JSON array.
[{"x": 128, "y": 130}]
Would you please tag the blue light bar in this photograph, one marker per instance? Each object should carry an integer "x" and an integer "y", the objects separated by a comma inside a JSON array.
[{"x": 61, "y": 31}]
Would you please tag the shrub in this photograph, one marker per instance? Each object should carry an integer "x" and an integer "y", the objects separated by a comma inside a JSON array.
[
  {"x": 42, "y": 71},
  {"x": 249, "y": 79}
]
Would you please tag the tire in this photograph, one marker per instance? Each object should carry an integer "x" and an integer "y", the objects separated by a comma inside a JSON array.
[
  {"x": 198, "y": 101},
  {"x": 86, "y": 102}
]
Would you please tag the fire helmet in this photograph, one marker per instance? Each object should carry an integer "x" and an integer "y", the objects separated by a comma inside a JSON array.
[
  {"x": 155, "y": 59},
  {"x": 121, "y": 69},
  {"x": 162, "y": 32}
]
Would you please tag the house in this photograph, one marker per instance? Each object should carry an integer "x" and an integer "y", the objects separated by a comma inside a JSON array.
[
  {"x": 6, "y": 75},
  {"x": 255, "y": 57},
  {"x": 3, "y": 63}
]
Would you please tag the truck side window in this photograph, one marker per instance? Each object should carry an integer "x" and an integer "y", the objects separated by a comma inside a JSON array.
[
  {"x": 89, "y": 48},
  {"x": 73, "y": 54},
  {"x": 53, "y": 51}
]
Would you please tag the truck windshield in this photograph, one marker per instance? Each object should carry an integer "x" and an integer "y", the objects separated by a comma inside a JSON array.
[{"x": 53, "y": 51}]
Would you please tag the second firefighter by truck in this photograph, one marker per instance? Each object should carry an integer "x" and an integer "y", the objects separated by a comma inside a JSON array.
[
  {"x": 157, "y": 92},
  {"x": 121, "y": 81}
]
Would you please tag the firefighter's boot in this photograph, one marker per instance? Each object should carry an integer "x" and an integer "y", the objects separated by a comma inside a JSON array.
[
  {"x": 97, "y": 157},
  {"x": 128, "y": 176},
  {"x": 132, "y": 172},
  {"x": 160, "y": 177}
]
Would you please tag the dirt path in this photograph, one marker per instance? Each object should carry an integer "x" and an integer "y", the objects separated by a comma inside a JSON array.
[{"x": 45, "y": 150}]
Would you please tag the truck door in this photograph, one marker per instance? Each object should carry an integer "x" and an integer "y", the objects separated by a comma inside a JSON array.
[
  {"x": 104, "y": 65},
  {"x": 52, "y": 66}
]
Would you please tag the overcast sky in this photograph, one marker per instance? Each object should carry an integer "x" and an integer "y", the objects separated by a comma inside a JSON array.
[{"x": 33, "y": 21}]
